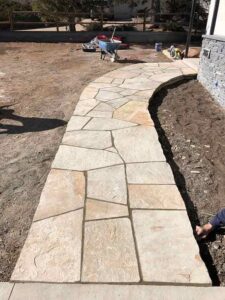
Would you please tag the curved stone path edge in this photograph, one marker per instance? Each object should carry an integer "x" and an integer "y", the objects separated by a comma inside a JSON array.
[{"x": 110, "y": 211}]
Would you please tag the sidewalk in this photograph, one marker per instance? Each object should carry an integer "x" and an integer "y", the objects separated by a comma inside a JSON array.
[{"x": 110, "y": 211}]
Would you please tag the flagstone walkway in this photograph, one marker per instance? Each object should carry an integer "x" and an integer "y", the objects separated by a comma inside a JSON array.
[{"x": 110, "y": 211}]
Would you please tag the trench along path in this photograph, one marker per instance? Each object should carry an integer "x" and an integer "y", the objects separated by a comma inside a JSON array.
[{"x": 110, "y": 212}]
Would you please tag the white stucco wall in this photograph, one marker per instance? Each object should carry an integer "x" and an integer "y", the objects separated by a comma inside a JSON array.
[{"x": 220, "y": 22}]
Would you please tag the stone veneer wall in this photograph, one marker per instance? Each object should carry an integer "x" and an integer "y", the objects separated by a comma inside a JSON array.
[{"x": 212, "y": 68}]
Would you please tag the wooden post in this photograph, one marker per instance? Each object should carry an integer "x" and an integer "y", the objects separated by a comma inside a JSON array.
[{"x": 190, "y": 27}]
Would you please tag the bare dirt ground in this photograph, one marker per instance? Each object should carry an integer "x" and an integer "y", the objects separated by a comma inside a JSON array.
[
  {"x": 42, "y": 82},
  {"x": 191, "y": 127}
]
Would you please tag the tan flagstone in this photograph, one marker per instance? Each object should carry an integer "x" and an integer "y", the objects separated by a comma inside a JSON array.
[
  {"x": 100, "y": 114},
  {"x": 77, "y": 123},
  {"x": 64, "y": 191},
  {"x": 42, "y": 291},
  {"x": 167, "y": 77},
  {"x": 102, "y": 210},
  {"x": 88, "y": 139},
  {"x": 103, "y": 80},
  {"x": 5, "y": 289},
  {"x": 101, "y": 85},
  {"x": 124, "y": 74},
  {"x": 112, "y": 149},
  {"x": 88, "y": 93},
  {"x": 134, "y": 111},
  {"x": 108, "y": 184},
  {"x": 155, "y": 197},
  {"x": 150, "y": 173},
  {"x": 83, "y": 107},
  {"x": 109, "y": 252},
  {"x": 107, "y": 124},
  {"x": 167, "y": 249},
  {"x": 119, "y": 102},
  {"x": 188, "y": 71},
  {"x": 138, "y": 144},
  {"x": 81, "y": 159},
  {"x": 107, "y": 95},
  {"x": 114, "y": 89},
  {"x": 52, "y": 251},
  {"x": 104, "y": 107},
  {"x": 128, "y": 92},
  {"x": 118, "y": 80},
  {"x": 141, "y": 84}
]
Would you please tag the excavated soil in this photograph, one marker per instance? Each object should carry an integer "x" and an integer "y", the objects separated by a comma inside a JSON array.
[{"x": 191, "y": 126}]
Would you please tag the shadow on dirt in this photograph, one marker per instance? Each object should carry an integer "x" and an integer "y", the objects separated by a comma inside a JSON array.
[
  {"x": 180, "y": 181},
  {"x": 27, "y": 124}
]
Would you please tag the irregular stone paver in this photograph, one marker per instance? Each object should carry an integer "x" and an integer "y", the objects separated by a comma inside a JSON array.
[
  {"x": 107, "y": 124},
  {"x": 155, "y": 197},
  {"x": 150, "y": 173},
  {"x": 123, "y": 74},
  {"x": 77, "y": 123},
  {"x": 165, "y": 241},
  {"x": 88, "y": 139},
  {"x": 89, "y": 93},
  {"x": 133, "y": 147},
  {"x": 41, "y": 291},
  {"x": 83, "y": 107},
  {"x": 167, "y": 249},
  {"x": 82, "y": 159},
  {"x": 52, "y": 251},
  {"x": 102, "y": 210},
  {"x": 5, "y": 290},
  {"x": 103, "y": 107},
  {"x": 100, "y": 114},
  {"x": 109, "y": 252},
  {"x": 104, "y": 80},
  {"x": 106, "y": 95},
  {"x": 64, "y": 191},
  {"x": 108, "y": 184},
  {"x": 119, "y": 102},
  {"x": 141, "y": 84},
  {"x": 134, "y": 111}
]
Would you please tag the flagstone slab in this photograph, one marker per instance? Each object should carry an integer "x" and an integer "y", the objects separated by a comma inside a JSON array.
[
  {"x": 101, "y": 85},
  {"x": 118, "y": 81},
  {"x": 89, "y": 93},
  {"x": 124, "y": 74},
  {"x": 112, "y": 149},
  {"x": 108, "y": 184},
  {"x": 138, "y": 144},
  {"x": 103, "y": 210},
  {"x": 174, "y": 76},
  {"x": 141, "y": 84},
  {"x": 107, "y": 124},
  {"x": 88, "y": 139},
  {"x": 104, "y": 107},
  {"x": 100, "y": 114},
  {"x": 109, "y": 252},
  {"x": 42, "y": 291},
  {"x": 119, "y": 102},
  {"x": 52, "y": 251},
  {"x": 77, "y": 123},
  {"x": 155, "y": 197},
  {"x": 64, "y": 191},
  {"x": 107, "y": 95},
  {"x": 112, "y": 89},
  {"x": 103, "y": 80},
  {"x": 83, "y": 107},
  {"x": 150, "y": 173},
  {"x": 5, "y": 290},
  {"x": 167, "y": 249},
  {"x": 134, "y": 111},
  {"x": 81, "y": 159}
]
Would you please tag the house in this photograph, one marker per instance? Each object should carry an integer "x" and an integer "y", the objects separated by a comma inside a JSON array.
[{"x": 212, "y": 62}]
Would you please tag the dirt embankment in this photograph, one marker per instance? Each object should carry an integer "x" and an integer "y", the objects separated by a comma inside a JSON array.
[{"x": 192, "y": 132}]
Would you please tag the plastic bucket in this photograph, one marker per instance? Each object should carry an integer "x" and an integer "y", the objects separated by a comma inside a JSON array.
[{"x": 158, "y": 47}]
